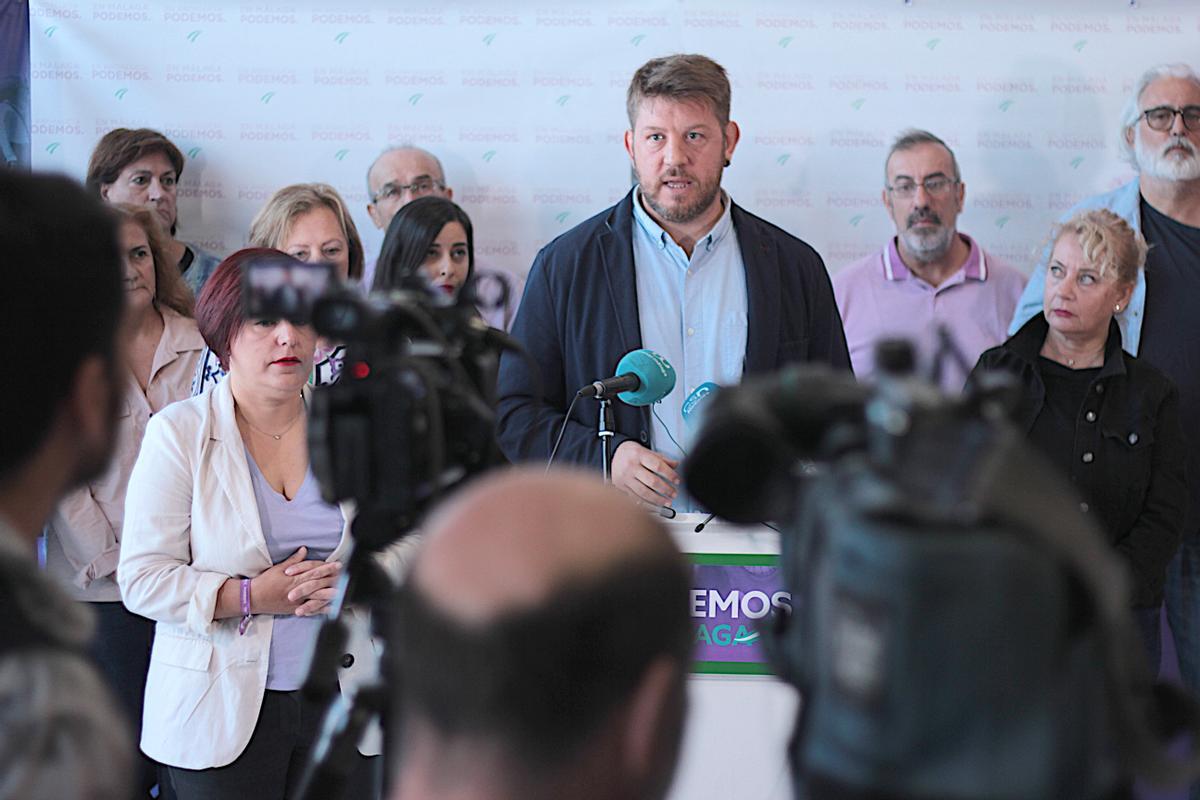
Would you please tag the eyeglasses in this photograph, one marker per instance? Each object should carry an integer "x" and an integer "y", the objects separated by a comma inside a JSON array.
[
  {"x": 935, "y": 186},
  {"x": 418, "y": 188},
  {"x": 1163, "y": 117}
]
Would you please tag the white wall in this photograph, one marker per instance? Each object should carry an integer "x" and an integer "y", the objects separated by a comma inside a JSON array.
[{"x": 524, "y": 101}]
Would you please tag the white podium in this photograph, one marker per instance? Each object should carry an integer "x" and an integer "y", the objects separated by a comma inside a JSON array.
[{"x": 735, "y": 740}]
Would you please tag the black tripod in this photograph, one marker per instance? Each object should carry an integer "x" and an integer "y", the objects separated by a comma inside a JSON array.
[{"x": 349, "y": 711}]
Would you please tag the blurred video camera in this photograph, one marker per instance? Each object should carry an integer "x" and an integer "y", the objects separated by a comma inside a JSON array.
[
  {"x": 411, "y": 414},
  {"x": 959, "y": 629}
]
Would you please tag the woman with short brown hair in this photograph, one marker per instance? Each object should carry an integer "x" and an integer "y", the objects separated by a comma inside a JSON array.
[{"x": 142, "y": 167}]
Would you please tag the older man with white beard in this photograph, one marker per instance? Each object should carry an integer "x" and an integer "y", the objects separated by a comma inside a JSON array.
[
  {"x": 1160, "y": 135},
  {"x": 928, "y": 277}
]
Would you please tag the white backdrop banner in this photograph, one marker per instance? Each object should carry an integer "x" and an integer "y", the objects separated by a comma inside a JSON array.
[{"x": 524, "y": 102}]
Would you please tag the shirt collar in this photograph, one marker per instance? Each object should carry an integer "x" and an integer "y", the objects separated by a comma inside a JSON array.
[
  {"x": 660, "y": 237},
  {"x": 180, "y": 334},
  {"x": 974, "y": 268},
  {"x": 1028, "y": 340}
]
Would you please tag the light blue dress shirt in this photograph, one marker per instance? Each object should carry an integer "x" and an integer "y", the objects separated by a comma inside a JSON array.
[{"x": 693, "y": 313}]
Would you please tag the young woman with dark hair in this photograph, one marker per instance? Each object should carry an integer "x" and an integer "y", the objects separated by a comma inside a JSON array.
[{"x": 428, "y": 243}]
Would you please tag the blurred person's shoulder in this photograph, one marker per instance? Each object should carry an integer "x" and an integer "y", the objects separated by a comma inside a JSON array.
[{"x": 61, "y": 734}]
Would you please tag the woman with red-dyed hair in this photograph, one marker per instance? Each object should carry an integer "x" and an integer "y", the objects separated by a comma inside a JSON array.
[{"x": 231, "y": 549}]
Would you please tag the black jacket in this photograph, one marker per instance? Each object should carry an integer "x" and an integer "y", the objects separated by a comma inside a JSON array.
[
  {"x": 1129, "y": 460},
  {"x": 579, "y": 315}
]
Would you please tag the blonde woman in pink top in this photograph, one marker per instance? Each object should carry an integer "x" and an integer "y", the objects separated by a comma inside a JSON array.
[{"x": 83, "y": 539}]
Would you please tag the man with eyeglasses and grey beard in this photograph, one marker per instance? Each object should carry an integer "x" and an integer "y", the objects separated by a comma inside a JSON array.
[
  {"x": 929, "y": 276},
  {"x": 1160, "y": 137}
]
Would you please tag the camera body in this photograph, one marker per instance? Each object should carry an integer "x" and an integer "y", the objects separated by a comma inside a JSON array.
[
  {"x": 960, "y": 630},
  {"x": 411, "y": 414}
]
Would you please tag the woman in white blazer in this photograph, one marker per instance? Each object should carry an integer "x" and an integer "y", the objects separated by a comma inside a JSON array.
[{"x": 229, "y": 547}]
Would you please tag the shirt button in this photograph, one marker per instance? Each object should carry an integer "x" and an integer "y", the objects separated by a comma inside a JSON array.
[
  {"x": 1133, "y": 438},
  {"x": 1099, "y": 388},
  {"x": 1083, "y": 507},
  {"x": 347, "y": 661},
  {"x": 1088, "y": 457},
  {"x": 689, "y": 272},
  {"x": 691, "y": 331},
  {"x": 1090, "y": 416},
  {"x": 645, "y": 437}
]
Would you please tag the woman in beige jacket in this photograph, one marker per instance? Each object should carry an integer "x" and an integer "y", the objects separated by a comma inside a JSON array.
[{"x": 83, "y": 539}]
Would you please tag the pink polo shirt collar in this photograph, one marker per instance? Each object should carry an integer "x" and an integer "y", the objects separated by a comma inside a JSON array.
[{"x": 974, "y": 268}]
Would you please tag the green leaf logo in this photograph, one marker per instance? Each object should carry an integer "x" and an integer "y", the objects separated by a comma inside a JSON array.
[
  {"x": 1006, "y": 105},
  {"x": 635, "y": 41},
  {"x": 491, "y": 37},
  {"x": 562, "y": 100},
  {"x": 193, "y": 36},
  {"x": 933, "y": 43},
  {"x": 1001, "y": 221},
  {"x": 783, "y": 159},
  {"x": 50, "y": 31},
  {"x": 785, "y": 41},
  {"x": 562, "y": 217},
  {"x": 266, "y": 98},
  {"x": 857, "y": 218},
  {"x": 195, "y": 151},
  {"x": 1082, "y": 43},
  {"x": 341, "y": 37},
  {"x": 858, "y": 104},
  {"x": 50, "y": 148},
  {"x": 1076, "y": 161},
  {"x": 489, "y": 155},
  {"x": 340, "y": 155},
  {"x": 413, "y": 99},
  {"x": 120, "y": 93}
]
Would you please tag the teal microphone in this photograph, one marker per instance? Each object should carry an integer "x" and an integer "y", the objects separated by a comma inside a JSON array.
[
  {"x": 642, "y": 377},
  {"x": 693, "y": 406}
]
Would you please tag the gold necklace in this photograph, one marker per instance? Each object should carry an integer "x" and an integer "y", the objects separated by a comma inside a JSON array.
[
  {"x": 275, "y": 436},
  {"x": 1099, "y": 356}
]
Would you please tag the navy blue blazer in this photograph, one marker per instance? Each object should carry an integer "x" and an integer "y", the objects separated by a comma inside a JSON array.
[{"x": 579, "y": 315}]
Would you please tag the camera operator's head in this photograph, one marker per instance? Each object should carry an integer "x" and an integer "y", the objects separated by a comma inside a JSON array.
[
  {"x": 60, "y": 309},
  {"x": 541, "y": 645}
]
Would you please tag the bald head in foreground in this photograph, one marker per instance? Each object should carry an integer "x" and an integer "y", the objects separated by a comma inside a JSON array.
[{"x": 541, "y": 646}]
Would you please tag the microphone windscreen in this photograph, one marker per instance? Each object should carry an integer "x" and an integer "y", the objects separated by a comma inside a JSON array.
[
  {"x": 694, "y": 405},
  {"x": 655, "y": 375}
]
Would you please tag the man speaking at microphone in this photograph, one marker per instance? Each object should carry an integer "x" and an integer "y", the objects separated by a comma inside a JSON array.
[{"x": 675, "y": 267}]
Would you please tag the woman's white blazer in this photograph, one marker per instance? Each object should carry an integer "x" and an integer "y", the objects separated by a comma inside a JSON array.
[{"x": 191, "y": 523}]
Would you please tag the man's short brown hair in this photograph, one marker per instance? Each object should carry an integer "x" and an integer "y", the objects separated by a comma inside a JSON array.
[{"x": 682, "y": 77}]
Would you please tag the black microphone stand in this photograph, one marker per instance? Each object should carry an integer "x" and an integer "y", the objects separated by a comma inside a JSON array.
[
  {"x": 605, "y": 428},
  {"x": 348, "y": 714}
]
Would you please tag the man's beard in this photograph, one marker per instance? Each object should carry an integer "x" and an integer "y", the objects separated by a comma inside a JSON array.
[
  {"x": 680, "y": 215},
  {"x": 927, "y": 244},
  {"x": 1159, "y": 165},
  {"x": 94, "y": 456}
]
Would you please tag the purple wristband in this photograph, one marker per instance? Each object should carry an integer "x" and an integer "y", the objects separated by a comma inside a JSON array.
[{"x": 245, "y": 607}]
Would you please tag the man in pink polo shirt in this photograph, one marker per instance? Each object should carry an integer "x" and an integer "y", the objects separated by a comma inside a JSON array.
[{"x": 929, "y": 276}]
